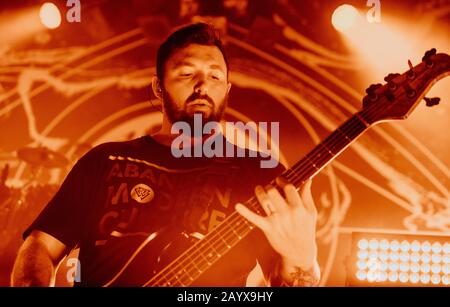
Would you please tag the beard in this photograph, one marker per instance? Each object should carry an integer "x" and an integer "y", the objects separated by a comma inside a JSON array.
[{"x": 175, "y": 114}]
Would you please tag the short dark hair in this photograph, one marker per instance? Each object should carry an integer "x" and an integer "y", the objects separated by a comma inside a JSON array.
[{"x": 197, "y": 33}]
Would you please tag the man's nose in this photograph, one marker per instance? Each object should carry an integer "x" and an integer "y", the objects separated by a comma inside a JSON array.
[{"x": 200, "y": 85}]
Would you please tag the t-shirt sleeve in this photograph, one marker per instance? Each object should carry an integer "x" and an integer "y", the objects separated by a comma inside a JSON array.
[{"x": 64, "y": 216}]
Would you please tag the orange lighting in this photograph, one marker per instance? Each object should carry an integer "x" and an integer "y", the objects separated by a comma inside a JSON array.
[
  {"x": 344, "y": 17},
  {"x": 50, "y": 15}
]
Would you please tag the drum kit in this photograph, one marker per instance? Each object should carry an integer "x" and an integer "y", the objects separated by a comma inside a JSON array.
[{"x": 21, "y": 203}]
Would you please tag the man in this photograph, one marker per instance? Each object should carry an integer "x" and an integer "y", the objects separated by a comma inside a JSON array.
[{"x": 123, "y": 203}]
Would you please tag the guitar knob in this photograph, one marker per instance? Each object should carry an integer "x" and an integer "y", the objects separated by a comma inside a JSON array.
[
  {"x": 428, "y": 54},
  {"x": 391, "y": 77},
  {"x": 432, "y": 101},
  {"x": 372, "y": 88}
]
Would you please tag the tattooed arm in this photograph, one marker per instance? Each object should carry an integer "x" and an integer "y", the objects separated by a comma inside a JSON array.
[{"x": 285, "y": 275}]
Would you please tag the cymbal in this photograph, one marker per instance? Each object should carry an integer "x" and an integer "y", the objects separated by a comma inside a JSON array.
[{"x": 42, "y": 156}]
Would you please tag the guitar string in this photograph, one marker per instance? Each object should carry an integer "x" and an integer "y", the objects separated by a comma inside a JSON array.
[
  {"x": 349, "y": 123},
  {"x": 296, "y": 173},
  {"x": 289, "y": 173}
]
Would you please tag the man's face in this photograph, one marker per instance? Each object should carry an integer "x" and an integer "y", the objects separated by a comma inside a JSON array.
[{"x": 195, "y": 81}]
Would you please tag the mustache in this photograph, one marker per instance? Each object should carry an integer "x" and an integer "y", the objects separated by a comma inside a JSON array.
[{"x": 196, "y": 96}]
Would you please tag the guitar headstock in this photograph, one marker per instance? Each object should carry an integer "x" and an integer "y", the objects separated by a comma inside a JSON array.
[{"x": 403, "y": 92}]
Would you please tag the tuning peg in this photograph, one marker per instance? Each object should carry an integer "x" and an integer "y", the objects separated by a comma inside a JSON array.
[
  {"x": 432, "y": 101},
  {"x": 426, "y": 57},
  {"x": 428, "y": 54},
  {"x": 391, "y": 77},
  {"x": 372, "y": 88}
]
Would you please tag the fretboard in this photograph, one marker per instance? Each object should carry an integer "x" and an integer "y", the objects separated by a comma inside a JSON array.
[{"x": 185, "y": 269}]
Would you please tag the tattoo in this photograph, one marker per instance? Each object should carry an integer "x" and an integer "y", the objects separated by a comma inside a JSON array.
[
  {"x": 304, "y": 278},
  {"x": 298, "y": 278}
]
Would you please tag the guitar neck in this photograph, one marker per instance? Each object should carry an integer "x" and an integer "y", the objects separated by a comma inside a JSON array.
[{"x": 184, "y": 270}]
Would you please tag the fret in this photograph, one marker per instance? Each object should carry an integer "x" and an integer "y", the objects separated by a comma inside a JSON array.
[
  {"x": 194, "y": 263},
  {"x": 182, "y": 272},
  {"x": 353, "y": 127},
  {"x": 233, "y": 230},
  {"x": 167, "y": 282},
  {"x": 237, "y": 234},
  {"x": 224, "y": 241},
  {"x": 179, "y": 281},
  {"x": 290, "y": 174},
  {"x": 211, "y": 246},
  {"x": 365, "y": 118},
  {"x": 346, "y": 137},
  {"x": 311, "y": 162},
  {"x": 320, "y": 151},
  {"x": 206, "y": 257}
]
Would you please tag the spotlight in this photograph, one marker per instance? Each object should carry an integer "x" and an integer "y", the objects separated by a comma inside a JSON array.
[
  {"x": 50, "y": 15},
  {"x": 344, "y": 17},
  {"x": 398, "y": 260}
]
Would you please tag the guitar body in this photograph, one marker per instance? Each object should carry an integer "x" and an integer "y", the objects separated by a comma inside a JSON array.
[{"x": 151, "y": 257}]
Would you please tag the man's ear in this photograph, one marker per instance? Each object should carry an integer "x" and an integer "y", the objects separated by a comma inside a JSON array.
[
  {"x": 229, "y": 88},
  {"x": 156, "y": 87}
]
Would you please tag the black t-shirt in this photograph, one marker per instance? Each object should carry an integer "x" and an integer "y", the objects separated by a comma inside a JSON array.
[{"x": 121, "y": 194}]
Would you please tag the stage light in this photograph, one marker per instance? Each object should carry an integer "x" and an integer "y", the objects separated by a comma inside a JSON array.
[
  {"x": 425, "y": 258},
  {"x": 404, "y": 257},
  {"x": 446, "y": 268},
  {"x": 403, "y": 277},
  {"x": 361, "y": 275},
  {"x": 415, "y": 257},
  {"x": 436, "y": 247},
  {"x": 435, "y": 279},
  {"x": 395, "y": 245},
  {"x": 363, "y": 254},
  {"x": 404, "y": 246},
  {"x": 414, "y": 267},
  {"x": 373, "y": 244},
  {"x": 425, "y": 268},
  {"x": 389, "y": 259},
  {"x": 384, "y": 244},
  {"x": 344, "y": 17},
  {"x": 446, "y": 258},
  {"x": 372, "y": 276},
  {"x": 404, "y": 266},
  {"x": 382, "y": 276},
  {"x": 393, "y": 276},
  {"x": 50, "y": 15},
  {"x": 414, "y": 278},
  {"x": 362, "y": 264},
  {"x": 435, "y": 268},
  {"x": 424, "y": 278},
  {"x": 393, "y": 266},
  {"x": 446, "y": 248},
  {"x": 446, "y": 280},
  {"x": 363, "y": 244},
  {"x": 394, "y": 256},
  {"x": 426, "y": 246},
  {"x": 436, "y": 258},
  {"x": 383, "y": 266},
  {"x": 383, "y": 255},
  {"x": 415, "y": 246}
]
